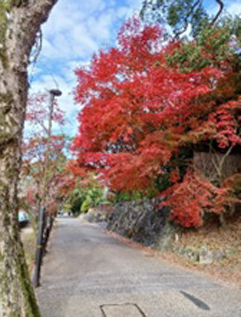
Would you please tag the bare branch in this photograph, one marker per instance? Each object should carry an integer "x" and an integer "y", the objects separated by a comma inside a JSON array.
[
  {"x": 39, "y": 45},
  {"x": 221, "y": 6},
  {"x": 198, "y": 2}
]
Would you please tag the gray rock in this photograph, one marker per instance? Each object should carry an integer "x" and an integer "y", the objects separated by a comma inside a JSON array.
[
  {"x": 205, "y": 256},
  {"x": 218, "y": 255},
  {"x": 181, "y": 249}
]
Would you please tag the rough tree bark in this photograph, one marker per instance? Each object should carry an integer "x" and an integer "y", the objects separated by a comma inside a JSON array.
[{"x": 20, "y": 21}]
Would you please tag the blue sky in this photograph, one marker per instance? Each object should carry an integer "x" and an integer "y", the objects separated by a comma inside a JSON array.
[{"x": 75, "y": 30}]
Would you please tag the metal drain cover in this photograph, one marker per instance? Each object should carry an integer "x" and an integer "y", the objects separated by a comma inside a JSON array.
[{"x": 122, "y": 310}]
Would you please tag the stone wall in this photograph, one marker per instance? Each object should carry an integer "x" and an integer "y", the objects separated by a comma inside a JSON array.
[
  {"x": 145, "y": 222},
  {"x": 142, "y": 221}
]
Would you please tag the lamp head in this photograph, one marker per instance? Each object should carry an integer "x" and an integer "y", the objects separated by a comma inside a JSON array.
[{"x": 55, "y": 92}]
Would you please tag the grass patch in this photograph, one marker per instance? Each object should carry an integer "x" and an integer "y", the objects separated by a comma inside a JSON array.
[{"x": 29, "y": 243}]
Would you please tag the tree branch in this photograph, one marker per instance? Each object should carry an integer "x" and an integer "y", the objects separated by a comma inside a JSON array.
[
  {"x": 187, "y": 16},
  {"x": 38, "y": 47},
  {"x": 221, "y": 6}
]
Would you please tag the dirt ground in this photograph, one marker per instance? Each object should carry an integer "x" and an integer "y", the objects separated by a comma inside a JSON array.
[{"x": 226, "y": 238}]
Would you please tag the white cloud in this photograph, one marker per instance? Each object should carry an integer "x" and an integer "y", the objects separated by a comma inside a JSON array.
[
  {"x": 231, "y": 7},
  {"x": 81, "y": 28},
  {"x": 234, "y": 7},
  {"x": 65, "y": 101},
  {"x": 134, "y": 4},
  {"x": 100, "y": 27},
  {"x": 74, "y": 31}
]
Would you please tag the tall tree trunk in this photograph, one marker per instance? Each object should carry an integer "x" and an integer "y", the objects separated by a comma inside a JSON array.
[{"x": 20, "y": 21}]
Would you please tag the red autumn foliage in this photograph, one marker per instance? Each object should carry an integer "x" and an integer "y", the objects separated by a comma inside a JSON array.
[
  {"x": 38, "y": 111},
  {"x": 193, "y": 195},
  {"x": 139, "y": 110},
  {"x": 74, "y": 169},
  {"x": 35, "y": 153},
  {"x": 34, "y": 156}
]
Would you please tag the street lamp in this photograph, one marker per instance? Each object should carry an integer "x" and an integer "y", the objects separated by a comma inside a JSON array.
[
  {"x": 55, "y": 92},
  {"x": 40, "y": 243}
]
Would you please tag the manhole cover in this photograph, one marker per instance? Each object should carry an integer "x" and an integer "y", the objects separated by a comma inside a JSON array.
[{"x": 122, "y": 310}]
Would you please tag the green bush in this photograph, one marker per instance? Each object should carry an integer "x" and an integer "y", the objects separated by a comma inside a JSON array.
[{"x": 86, "y": 205}]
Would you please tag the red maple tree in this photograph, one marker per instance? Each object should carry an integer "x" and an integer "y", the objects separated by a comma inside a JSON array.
[
  {"x": 35, "y": 151},
  {"x": 140, "y": 109}
]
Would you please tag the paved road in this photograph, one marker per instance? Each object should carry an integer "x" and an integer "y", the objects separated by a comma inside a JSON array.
[{"x": 89, "y": 274}]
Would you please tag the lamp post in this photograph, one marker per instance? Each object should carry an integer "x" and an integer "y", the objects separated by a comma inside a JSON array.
[
  {"x": 52, "y": 94},
  {"x": 42, "y": 211}
]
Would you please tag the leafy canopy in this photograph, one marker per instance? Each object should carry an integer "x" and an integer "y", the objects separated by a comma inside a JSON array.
[
  {"x": 141, "y": 107},
  {"x": 180, "y": 15}
]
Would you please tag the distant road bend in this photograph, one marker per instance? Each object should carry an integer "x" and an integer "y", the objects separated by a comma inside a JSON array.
[{"x": 89, "y": 274}]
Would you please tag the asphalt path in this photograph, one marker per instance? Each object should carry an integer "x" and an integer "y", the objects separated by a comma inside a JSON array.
[{"x": 87, "y": 273}]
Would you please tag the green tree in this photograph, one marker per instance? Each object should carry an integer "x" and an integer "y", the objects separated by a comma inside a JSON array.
[
  {"x": 86, "y": 193},
  {"x": 179, "y": 14}
]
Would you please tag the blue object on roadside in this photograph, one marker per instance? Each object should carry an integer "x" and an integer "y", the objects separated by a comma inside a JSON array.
[{"x": 23, "y": 217}]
